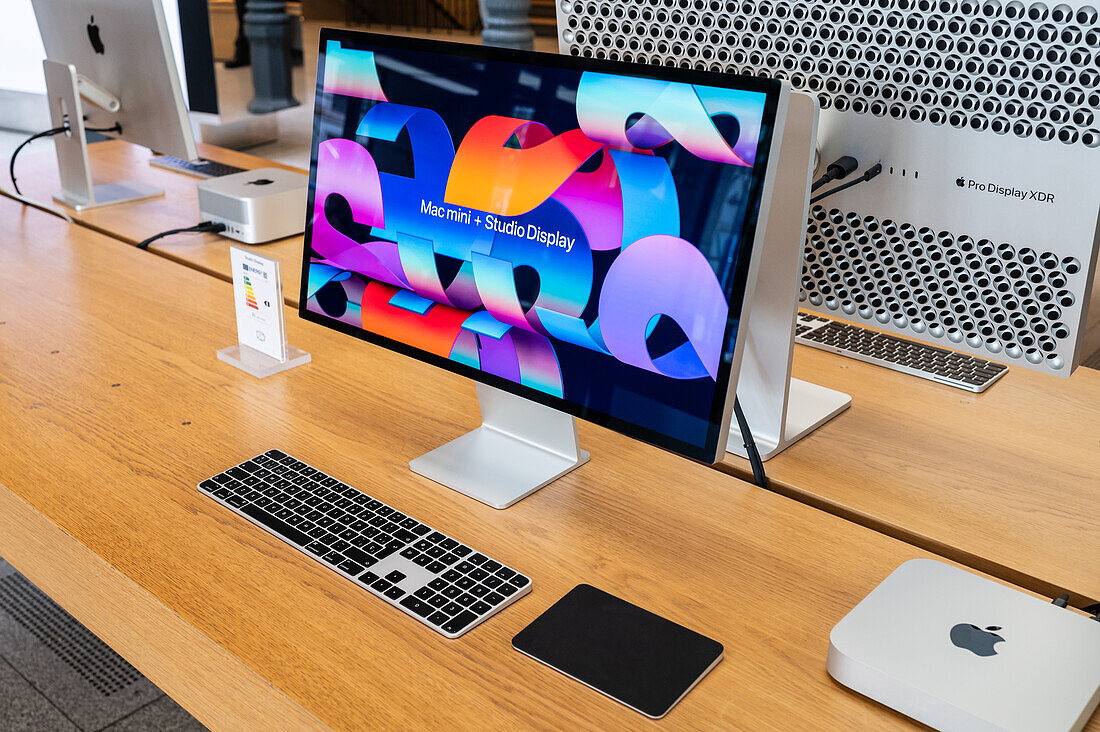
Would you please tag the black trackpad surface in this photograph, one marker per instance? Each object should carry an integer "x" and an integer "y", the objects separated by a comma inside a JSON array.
[{"x": 631, "y": 655}]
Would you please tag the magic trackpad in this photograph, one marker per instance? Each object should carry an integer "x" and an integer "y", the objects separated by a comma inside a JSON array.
[{"x": 631, "y": 655}]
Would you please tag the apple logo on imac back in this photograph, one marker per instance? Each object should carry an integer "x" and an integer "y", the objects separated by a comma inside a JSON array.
[
  {"x": 93, "y": 36},
  {"x": 975, "y": 639}
]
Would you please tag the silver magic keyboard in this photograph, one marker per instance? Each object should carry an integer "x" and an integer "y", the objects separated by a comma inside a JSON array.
[{"x": 436, "y": 579}]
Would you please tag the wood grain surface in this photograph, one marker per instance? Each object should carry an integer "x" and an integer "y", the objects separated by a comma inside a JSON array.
[
  {"x": 113, "y": 406},
  {"x": 1007, "y": 481},
  {"x": 115, "y": 160}
]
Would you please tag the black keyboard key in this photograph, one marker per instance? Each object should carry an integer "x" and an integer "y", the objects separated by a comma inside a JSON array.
[
  {"x": 437, "y": 601},
  {"x": 465, "y": 599},
  {"x": 236, "y": 473},
  {"x": 422, "y": 560},
  {"x": 389, "y": 549},
  {"x": 237, "y": 502},
  {"x": 425, "y": 593},
  {"x": 420, "y": 530},
  {"x": 410, "y": 553},
  {"x": 351, "y": 567},
  {"x": 381, "y": 585},
  {"x": 395, "y": 593},
  {"x": 494, "y": 598},
  {"x": 464, "y": 582},
  {"x": 504, "y": 573},
  {"x": 459, "y": 622},
  {"x": 519, "y": 580},
  {"x": 316, "y": 547},
  {"x": 275, "y": 454},
  {"x": 383, "y": 510},
  {"x": 419, "y": 607},
  {"x": 480, "y": 607},
  {"x": 404, "y": 535},
  {"x": 340, "y": 546},
  {"x": 507, "y": 590},
  {"x": 479, "y": 591},
  {"x": 395, "y": 576},
  {"x": 435, "y": 566},
  {"x": 397, "y": 517},
  {"x": 358, "y": 555},
  {"x": 464, "y": 567},
  {"x": 435, "y": 537},
  {"x": 208, "y": 486},
  {"x": 409, "y": 523},
  {"x": 451, "y": 575},
  {"x": 491, "y": 566},
  {"x": 222, "y": 493},
  {"x": 492, "y": 582},
  {"x": 478, "y": 575},
  {"x": 448, "y": 559},
  {"x": 438, "y": 618},
  {"x": 333, "y": 558},
  {"x": 282, "y": 528},
  {"x": 451, "y": 592},
  {"x": 369, "y": 578},
  {"x": 437, "y": 584},
  {"x": 448, "y": 544},
  {"x": 479, "y": 559},
  {"x": 452, "y": 608},
  {"x": 435, "y": 552}
]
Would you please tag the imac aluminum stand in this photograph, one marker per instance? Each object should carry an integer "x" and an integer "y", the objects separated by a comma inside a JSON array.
[
  {"x": 519, "y": 447},
  {"x": 64, "y": 89},
  {"x": 781, "y": 410}
]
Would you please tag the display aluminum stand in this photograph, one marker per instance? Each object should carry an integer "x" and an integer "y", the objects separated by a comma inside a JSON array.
[
  {"x": 781, "y": 410},
  {"x": 64, "y": 88},
  {"x": 519, "y": 447}
]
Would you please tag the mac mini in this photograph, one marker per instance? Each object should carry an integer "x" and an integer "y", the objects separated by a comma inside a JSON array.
[
  {"x": 959, "y": 652},
  {"x": 256, "y": 206}
]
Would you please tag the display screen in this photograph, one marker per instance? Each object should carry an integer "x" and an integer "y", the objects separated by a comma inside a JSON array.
[{"x": 574, "y": 231}]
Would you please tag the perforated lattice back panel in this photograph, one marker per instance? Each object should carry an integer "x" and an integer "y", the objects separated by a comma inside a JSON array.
[
  {"x": 1025, "y": 69},
  {"x": 995, "y": 296},
  {"x": 86, "y": 654}
]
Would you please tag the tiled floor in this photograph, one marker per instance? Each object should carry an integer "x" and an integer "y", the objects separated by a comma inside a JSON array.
[{"x": 56, "y": 676}]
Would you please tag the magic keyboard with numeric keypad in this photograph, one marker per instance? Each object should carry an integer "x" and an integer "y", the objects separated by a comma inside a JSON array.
[{"x": 436, "y": 579}]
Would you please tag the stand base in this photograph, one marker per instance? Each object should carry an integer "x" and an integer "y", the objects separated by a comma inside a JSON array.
[
  {"x": 809, "y": 406},
  {"x": 520, "y": 447},
  {"x": 109, "y": 194},
  {"x": 259, "y": 364}
]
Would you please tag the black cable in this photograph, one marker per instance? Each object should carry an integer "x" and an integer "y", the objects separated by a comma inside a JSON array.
[
  {"x": 1094, "y": 610},
  {"x": 871, "y": 172},
  {"x": 29, "y": 140},
  {"x": 48, "y": 133},
  {"x": 199, "y": 228},
  {"x": 758, "y": 475},
  {"x": 839, "y": 169}
]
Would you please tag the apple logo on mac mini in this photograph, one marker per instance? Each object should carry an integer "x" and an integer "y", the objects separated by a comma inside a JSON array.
[
  {"x": 93, "y": 36},
  {"x": 976, "y": 640}
]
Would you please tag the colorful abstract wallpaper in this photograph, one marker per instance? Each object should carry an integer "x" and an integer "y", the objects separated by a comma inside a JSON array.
[{"x": 581, "y": 234}]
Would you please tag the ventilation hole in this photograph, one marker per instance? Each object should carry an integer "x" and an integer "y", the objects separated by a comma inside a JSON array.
[
  {"x": 74, "y": 644},
  {"x": 1011, "y": 67}
]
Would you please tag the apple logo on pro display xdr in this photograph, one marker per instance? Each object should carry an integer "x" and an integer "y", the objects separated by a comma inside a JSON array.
[
  {"x": 975, "y": 639},
  {"x": 93, "y": 36}
]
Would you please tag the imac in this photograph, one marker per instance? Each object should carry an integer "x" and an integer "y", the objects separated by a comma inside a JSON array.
[
  {"x": 114, "y": 54},
  {"x": 579, "y": 238}
]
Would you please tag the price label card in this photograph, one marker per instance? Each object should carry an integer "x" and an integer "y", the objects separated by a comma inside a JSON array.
[{"x": 258, "y": 296}]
